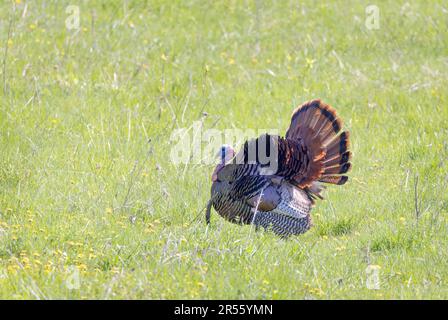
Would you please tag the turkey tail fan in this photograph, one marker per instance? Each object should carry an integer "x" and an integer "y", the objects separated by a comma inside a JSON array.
[
  {"x": 337, "y": 159},
  {"x": 318, "y": 125}
]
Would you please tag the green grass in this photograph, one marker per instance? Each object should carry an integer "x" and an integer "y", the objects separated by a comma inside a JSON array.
[{"x": 81, "y": 187}]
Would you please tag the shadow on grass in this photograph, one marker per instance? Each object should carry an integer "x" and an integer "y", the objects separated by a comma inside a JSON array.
[
  {"x": 339, "y": 227},
  {"x": 400, "y": 240}
]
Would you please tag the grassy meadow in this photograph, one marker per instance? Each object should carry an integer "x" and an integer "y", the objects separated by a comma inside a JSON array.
[{"x": 93, "y": 207}]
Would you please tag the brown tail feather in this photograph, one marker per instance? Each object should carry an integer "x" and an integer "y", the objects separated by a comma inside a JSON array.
[
  {"x": 338, "y": 159},
  {"x": 338, "y": 180},
  {"x": 338, "y": 169},
  {"x": 319, "y": 127},
  {"x": 338, "y": 145}
]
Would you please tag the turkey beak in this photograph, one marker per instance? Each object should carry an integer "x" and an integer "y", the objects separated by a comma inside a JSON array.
[{"x": 215, "y": 172}]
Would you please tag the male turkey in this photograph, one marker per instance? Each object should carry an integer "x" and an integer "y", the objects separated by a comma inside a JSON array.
[{"x": 279, "y": 194}]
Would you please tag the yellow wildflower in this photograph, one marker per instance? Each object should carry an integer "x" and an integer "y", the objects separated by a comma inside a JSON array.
[{"x": 310, "y": 62}]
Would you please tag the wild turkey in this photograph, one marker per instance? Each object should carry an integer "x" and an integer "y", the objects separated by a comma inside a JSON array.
[{"x": 315, "y": 150}]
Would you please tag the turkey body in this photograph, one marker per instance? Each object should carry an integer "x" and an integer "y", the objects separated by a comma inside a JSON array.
[
  {"x": 314, "y": 151},
  {"x": 283, "y": 208}
]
